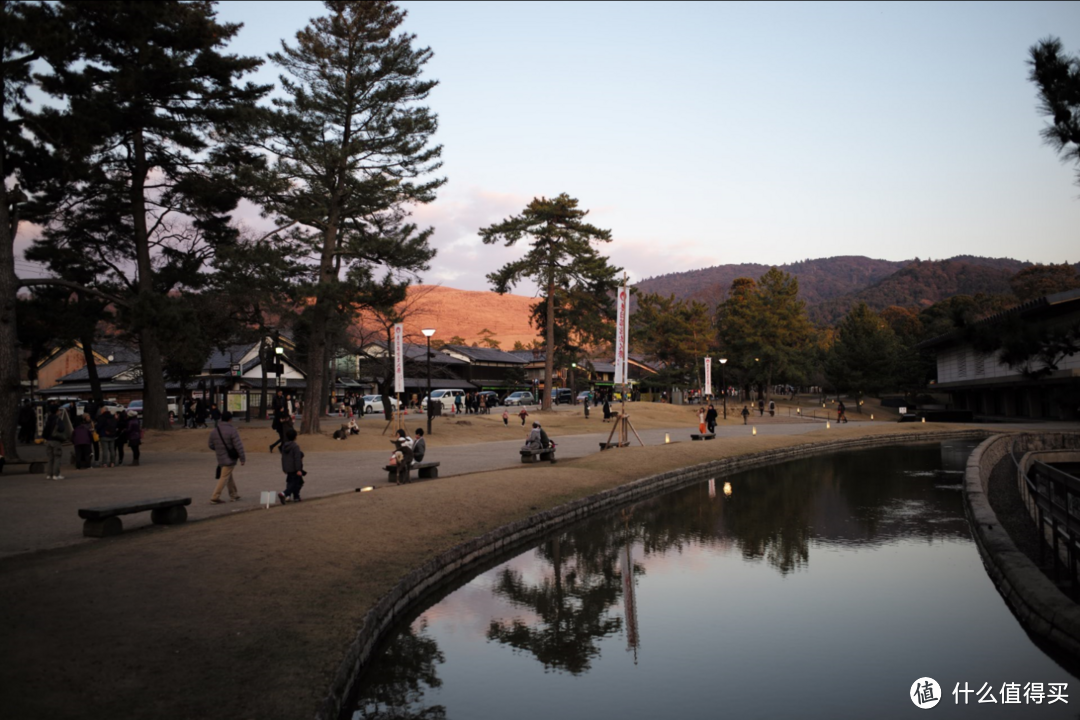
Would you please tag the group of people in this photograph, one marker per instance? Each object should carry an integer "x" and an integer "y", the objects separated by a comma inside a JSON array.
[
  {"x": 707, "y": 419},
  {"x": 407, "y": 450},
  {"x": 97, "y": 436}
]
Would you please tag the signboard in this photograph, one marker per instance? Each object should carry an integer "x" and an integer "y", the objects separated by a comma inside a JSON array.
[
  {"x": 622, "y": 339},
  {"x": 281, "y": 381},
  {"x": 234, "y": 369},
  {"x": 708, "y": 376},
  {"x": 399, "y": 358},
  {"x": 237, "y": 402}
]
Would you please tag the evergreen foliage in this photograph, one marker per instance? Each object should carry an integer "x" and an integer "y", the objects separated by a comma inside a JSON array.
[
  {"x": 863, "y": 358},
  {"x": 352, "y": 146},
  {"x": 147, "y": 129},
  {"x": 1057, "y": 76},
  {"x": 572, "y": 274},
  {"x": 764, "y": 331}
]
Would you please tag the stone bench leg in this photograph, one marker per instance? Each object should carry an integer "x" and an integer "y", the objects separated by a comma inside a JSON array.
[
  {"x": 37, "y": 468},
  {"x": 429, "y": 473},
  {"x": 528, "y": 458},
  {"x": 103, "y": 528},
  {"x": 169, "y": 516}
]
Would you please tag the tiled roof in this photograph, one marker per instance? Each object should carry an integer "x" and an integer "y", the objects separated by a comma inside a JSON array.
[
  {"x": 104, "y": 372},
  {"x": 483, "y": 354}
]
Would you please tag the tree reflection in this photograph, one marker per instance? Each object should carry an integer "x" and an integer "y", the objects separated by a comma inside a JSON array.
[
  {"x": 395, "y": 688},
  {"x": 573, "y": 602}
]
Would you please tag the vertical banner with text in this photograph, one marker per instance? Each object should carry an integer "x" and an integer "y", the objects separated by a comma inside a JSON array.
[
  {"x": 399, "y": 358},
  {"x": 622, "y": 339},
  {"x": 708, "y": 376}
]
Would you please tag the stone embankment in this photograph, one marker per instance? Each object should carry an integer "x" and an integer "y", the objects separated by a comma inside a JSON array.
[{"x": 1043, "y": 609}]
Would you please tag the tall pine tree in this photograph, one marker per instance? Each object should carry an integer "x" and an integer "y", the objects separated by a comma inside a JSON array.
[
  {"x": 352, "y": 146},
  {"x": 149, "y": 119},
  {"x": 561, "y": 259}
]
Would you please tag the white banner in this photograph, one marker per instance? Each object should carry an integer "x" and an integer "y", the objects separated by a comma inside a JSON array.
[
  {"x": 708, "y": 376},
  {"x": 622, "y": 339},
  {"x": 399, "y": 358}
]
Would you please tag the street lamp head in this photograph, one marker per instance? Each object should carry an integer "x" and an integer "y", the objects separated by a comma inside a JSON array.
[
  {"x": 723, "y": 360},
  {"x": 428, "y": 332},
  {"x": 279, "y": 350}
]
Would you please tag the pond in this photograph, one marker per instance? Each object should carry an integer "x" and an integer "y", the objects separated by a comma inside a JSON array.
[{"x": 822, "y": 587}]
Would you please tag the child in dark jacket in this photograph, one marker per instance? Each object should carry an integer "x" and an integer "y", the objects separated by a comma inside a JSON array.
[{"x": 292, "y": 464}]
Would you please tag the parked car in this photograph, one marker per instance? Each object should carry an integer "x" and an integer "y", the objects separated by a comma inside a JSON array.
[
  {"x": 113, "y": 407},
  {"x": 375, "y": 404},
  {"x": 522, "y": 397},
  {"x": 446, "y": 397},
  {"x": 564, "y": 396},
  {"x": 582, "y": 395},
  {"x": 134, "y": 408}
]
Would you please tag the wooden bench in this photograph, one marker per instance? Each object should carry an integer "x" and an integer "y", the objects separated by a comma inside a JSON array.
[
  {"x": 531, "y": 456},
  {"x": 104, "y": 521},
  {"x": 426, "y": 470},
  {"x": 707, "y": 436}
]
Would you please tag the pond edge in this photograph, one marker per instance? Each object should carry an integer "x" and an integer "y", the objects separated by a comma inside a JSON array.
[
  {"x": 411, "y": 590},
  {"x": 1043, "y": 609}
]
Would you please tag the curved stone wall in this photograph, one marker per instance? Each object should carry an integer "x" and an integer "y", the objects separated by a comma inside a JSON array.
[
  {"x": 1044, "y": 610},
  {"x": 412, "y": 589}
]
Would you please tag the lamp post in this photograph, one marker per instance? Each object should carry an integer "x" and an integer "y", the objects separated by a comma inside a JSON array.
[
  {"x": 723, "y": 385},
  {"x": 573, "y": 394},
  {"x": 428, "y": 332}
]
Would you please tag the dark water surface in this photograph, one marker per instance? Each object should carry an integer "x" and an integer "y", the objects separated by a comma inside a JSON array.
[{"x": 819, "y": 588}]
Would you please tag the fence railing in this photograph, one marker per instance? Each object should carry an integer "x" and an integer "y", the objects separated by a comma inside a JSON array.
[{"x": 1056, "y": 498}]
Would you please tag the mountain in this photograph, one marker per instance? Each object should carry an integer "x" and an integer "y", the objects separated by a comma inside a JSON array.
[
  {"x": 819, "y": 280},
  {"x": 923, "y": 283},
  {"x": 467, "y": 312},
  {"x": 831, "y": 286}
]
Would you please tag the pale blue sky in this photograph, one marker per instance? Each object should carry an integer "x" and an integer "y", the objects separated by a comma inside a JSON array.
[{"x": 703, "y": 134}]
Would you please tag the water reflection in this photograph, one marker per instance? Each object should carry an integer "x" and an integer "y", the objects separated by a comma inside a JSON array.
[{"x": 708, "y": 576}]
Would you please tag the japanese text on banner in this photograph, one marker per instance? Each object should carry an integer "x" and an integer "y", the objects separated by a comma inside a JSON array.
[
  {"x": 399, "y": 359},
  {"x": 622, "y": 324}
]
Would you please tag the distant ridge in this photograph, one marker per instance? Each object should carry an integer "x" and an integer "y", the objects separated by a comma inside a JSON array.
[{"x": 831, "y": 286}]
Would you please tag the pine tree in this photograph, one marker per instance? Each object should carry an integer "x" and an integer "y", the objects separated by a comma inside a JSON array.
[
  {"x": 561, "y": 258},
  {"x": 1057, "y": 76},
  {"x": 863, "y": 358},
  {"x": 351, "y": 140},
  {"x": 151, "y": 113}
]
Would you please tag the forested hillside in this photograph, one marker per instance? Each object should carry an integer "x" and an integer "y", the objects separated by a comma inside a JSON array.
[{"x": 831, "y": 286}]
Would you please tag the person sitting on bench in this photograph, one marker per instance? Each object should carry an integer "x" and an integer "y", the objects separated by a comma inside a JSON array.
[
  {"x": 539, "y": 440},
  {"x": 419, "y": 446}
]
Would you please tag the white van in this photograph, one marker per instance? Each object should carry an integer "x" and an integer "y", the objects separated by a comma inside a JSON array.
[{"x": 446, "y": 397}]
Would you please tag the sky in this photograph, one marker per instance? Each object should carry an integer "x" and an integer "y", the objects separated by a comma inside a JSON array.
[{"x": 710, "y": 133}]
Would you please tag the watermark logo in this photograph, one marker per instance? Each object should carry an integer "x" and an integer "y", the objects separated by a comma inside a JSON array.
[{"x": 925, "y": 693}]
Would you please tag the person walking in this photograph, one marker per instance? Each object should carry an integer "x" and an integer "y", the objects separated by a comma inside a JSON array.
[
  {"x": 135, "y": 439},
  {"x": 745, "y": 414},
  {"x": 106, "y": 430},
  {"x": 282, "y": 418},
  {"x": 122, "y": 422},
  {"x": 506, "y": 417},
  {"x": 710, "y": 419},
  {"x": 82, "y": 437},
  {"x": 761, "y": 407},
  {"x": 292, "y": 464},
  {"x": 701, "y": 420},
  {"x": 607, "y": 409},
  {"x": 585, "y": 405},
  {"x": 226, "y": 444},
  {"x": 57, "y": 431},
  {"x": 523, "y": 414}
]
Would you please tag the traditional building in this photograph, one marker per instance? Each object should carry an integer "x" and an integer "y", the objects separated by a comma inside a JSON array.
[{"x": 983, "y": 384}]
